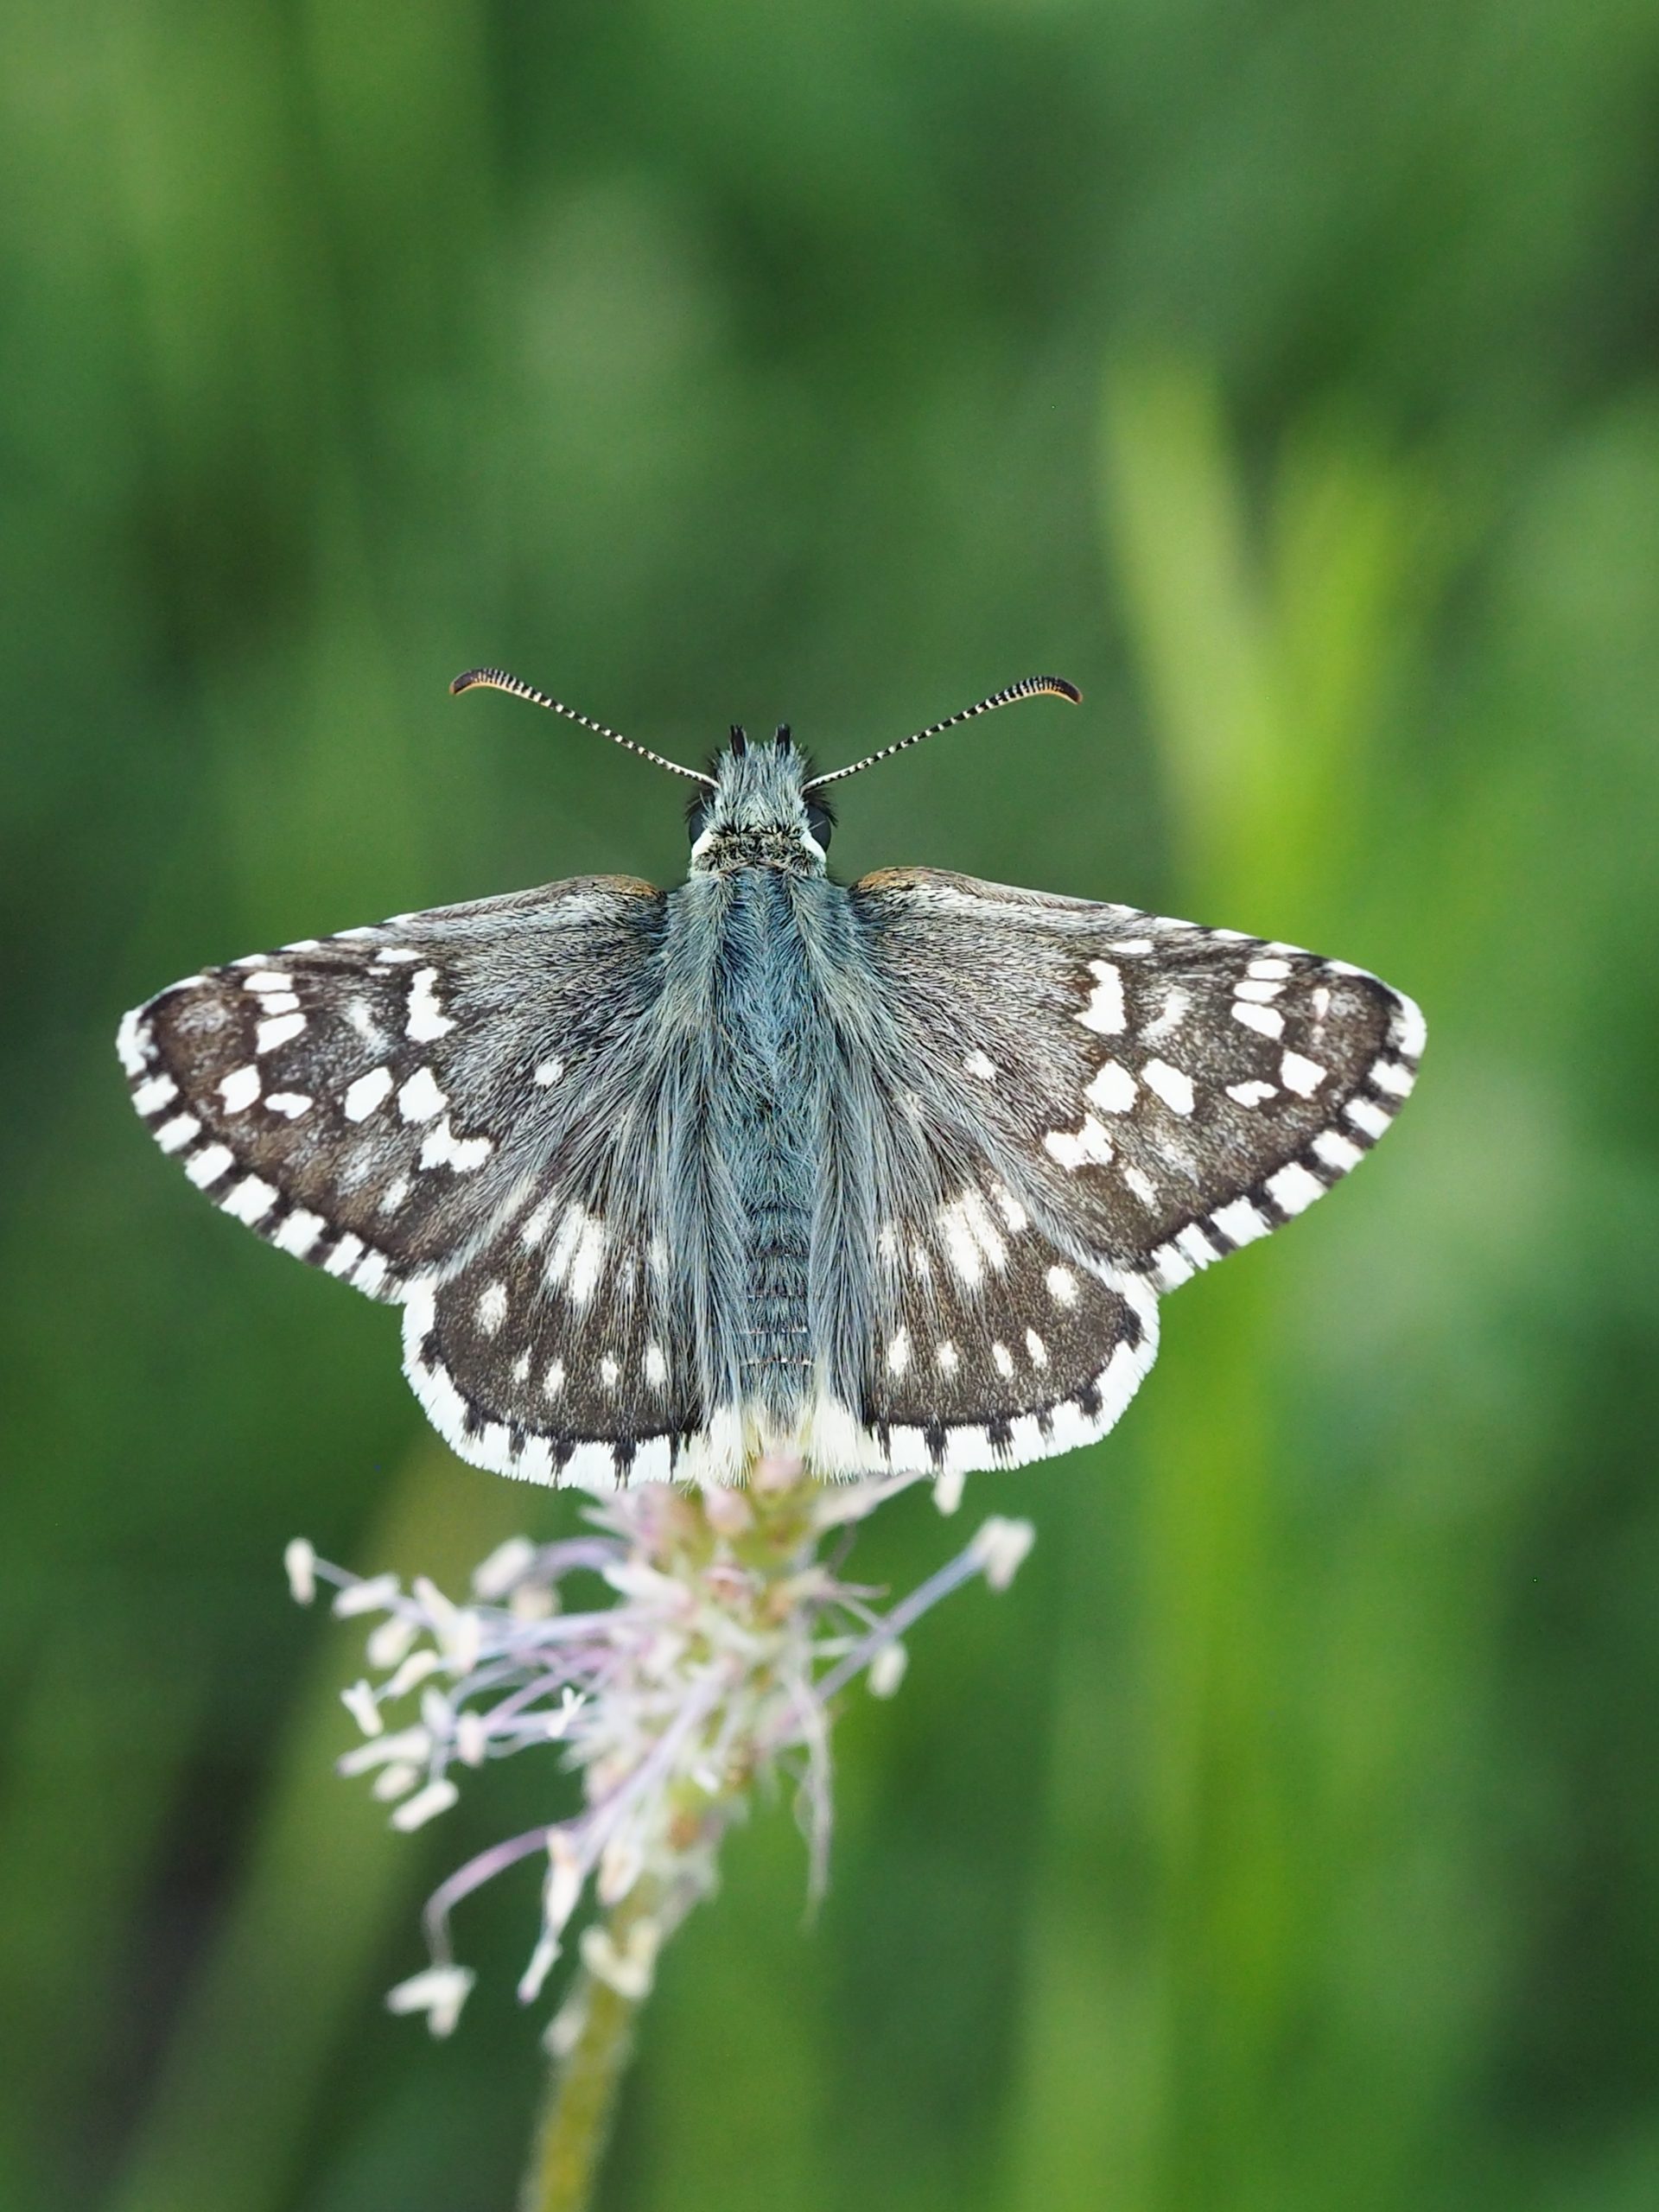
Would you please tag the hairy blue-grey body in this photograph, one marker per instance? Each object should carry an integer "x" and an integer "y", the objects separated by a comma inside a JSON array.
[
  {"x": 764, "y": 1045},
  {"x": 890, "y": 1176}
]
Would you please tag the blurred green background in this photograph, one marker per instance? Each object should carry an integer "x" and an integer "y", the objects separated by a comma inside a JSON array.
[{"x": 1285, "y": 375}]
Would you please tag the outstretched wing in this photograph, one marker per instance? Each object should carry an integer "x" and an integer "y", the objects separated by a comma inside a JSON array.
[
  {"x": 426, "y": 1108},
  {"x": 1111, "y": 1101}
]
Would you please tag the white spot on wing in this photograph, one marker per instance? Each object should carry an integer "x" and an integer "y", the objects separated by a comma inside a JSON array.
[
  {"x": 132, "y": 1042},
  {"x": 268, "y": 979},
  {"x": 1251, "y": 1093},
  {"x": 420, "y": 1098},
  {"x": 1365, "y": 1116},
  {"x": 277, "y": 1031},
  {"x": 206, "y": 1166},
  {"x": 1002, "y": 1359},
  {"x": 299, "y": 1232},
  {"x": 898, "y": 1353},
  {"x": 1104, "y": 1013},
  {"x": 1037, "y": 1349},
  {"x": 1336, "y": 1150},
  {"x": 553, "y": 1380},
  {"x": 1076, "y": 1148},
  {"x": 978, "y": 1063},
  {"x": 945, "y": 1357},
  {"x": 587, "y": 1260},
  {"x": 1408, "y": 1030},
  {"x": 1062, "y": 1286},
  {"x": 442, "y": 1147},
  {"x": 492, "y": 1308},
  {"x": 1007, "y": 1204},
  {"x": 1171, "y": 1014},
  {"x": 1267, "y": 1020},
  {"x": 971, "y": 1239},
  {"x": 1113, "y": 1089},
  {"x": 368, "y": 1092},
  {"x": 1294, "y": 1188},
  {"x": 239, "y": 1089},
  {"x": 250, "y": 1200},
  {"x": 1300, "y": 1075},
  {"x": 547, "y": 1072},
  {"x": 1241, "y": 1222},
  {"x": 292, "y": 1104},
  {"x": 655, "y": 1367},
  {"x": 174, "y": 1136},
  {"x": 535, "y": 1224},
  {"x": 1197, "y": 1246},
  {"x": 427, "y": 1019},
  {"x": 1171, "y": 1084},
  {"x": 150, "y": 1098},
  {"x": 345, "y": 1256},
  {"x": 1142, "y": 1185},
  {"x": 609, "y": 1373}
]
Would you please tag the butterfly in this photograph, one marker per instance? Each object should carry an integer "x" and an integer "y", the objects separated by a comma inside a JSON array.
[{"x": 889, "y": 1176}]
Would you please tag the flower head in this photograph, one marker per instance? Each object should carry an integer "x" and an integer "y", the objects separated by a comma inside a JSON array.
[{"x": 711, "y": 1664}]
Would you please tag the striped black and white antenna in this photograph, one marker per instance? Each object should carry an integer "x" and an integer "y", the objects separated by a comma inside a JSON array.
[
  {"x": 1030, "y": 687},
  {"x": 497, "y": 679}
]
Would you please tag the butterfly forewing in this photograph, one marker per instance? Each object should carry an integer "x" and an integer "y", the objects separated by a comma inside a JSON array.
[
  {"x": 376, "y": 1103},
  {"x": 1157, "y": 1092}
]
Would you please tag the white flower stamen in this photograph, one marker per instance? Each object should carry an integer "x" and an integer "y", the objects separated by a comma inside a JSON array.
[
  {"x": 439, "y": 1992},
  {"x": 710, "y": 1657},
  {"x": 425, "y": 1805},
  {"x": 299, "y": 1564}
]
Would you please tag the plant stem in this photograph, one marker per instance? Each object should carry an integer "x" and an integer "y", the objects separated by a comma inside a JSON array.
[
  {"x": 768, "y": 1527},
  {"x": 575, "y": 2123}
]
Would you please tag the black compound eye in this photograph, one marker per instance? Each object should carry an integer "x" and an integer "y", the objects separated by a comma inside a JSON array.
[
  {"x": 821, "y": 822},
  {"x": 696, "y": 818}
]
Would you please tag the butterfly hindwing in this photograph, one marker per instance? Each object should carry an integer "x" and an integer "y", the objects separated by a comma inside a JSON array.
[{"x": 996, "y": 1345}]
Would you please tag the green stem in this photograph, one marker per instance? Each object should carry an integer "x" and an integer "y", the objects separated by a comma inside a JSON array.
[
  {"x": 575, "y": 2123},
  {"x": 769, "y": 1528}
]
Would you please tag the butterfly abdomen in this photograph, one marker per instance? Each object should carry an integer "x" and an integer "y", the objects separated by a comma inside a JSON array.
[{"x": 763, "y": 1103}]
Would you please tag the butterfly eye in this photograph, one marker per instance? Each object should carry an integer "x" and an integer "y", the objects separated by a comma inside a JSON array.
[
  {"x": 821, "y": 822},
  {"x": 696, "y": 818}
]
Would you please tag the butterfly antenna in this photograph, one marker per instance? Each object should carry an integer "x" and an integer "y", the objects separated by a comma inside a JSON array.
[
  {"x": 497, "y": 679},
  {"x": 1030, "y": 687}
]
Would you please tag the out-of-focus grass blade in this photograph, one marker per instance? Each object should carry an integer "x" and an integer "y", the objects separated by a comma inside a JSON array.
[
  {"x": 1157, "y": 2016},
  {"x": 95, "y": 1754},
  {"x": 325, "y": 1877}
]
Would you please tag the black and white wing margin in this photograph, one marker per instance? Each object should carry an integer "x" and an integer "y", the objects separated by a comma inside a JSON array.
[
  {"x": 426, "y": 1109},
  {"x": 1111, "y": 1101}
]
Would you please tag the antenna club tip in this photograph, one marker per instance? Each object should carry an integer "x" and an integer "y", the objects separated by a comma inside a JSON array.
[
  {"x": 466, "y": 681},
  {"x": 1058, "y": 686}
]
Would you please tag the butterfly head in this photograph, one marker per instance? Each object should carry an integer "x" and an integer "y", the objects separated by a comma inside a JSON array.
[{"x": 758, "y": 812}]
